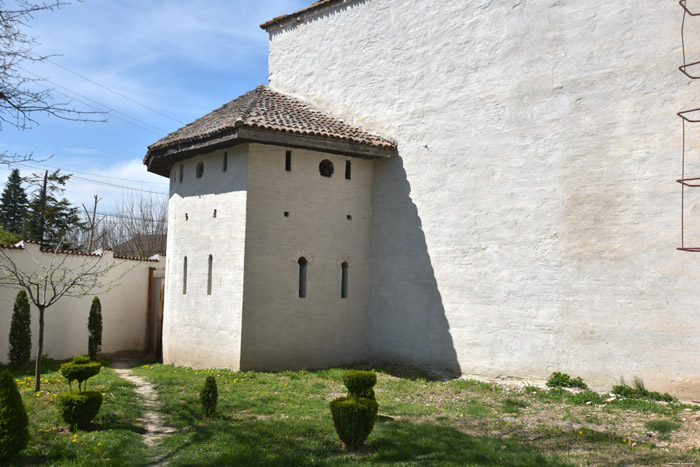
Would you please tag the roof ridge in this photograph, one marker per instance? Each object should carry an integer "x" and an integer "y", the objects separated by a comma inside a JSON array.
[{"x": 248, "y": 108}]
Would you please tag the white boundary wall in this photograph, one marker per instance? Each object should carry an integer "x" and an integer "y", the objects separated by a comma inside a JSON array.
[
  {"x": 531, "y": 220},
  {"x": 124, "y": 307}
]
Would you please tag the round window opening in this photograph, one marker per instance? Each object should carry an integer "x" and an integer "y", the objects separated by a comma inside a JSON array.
[
  {"x": 326, "y": 168},
  {"x": 200, "y": 169}
]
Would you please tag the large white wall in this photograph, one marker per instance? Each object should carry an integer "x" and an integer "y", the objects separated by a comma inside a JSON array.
[
  {"x": 124, "y": 306},
  {"x": 530, "y": 222},
  {"x": 199, "y": 329},
  {"x": 280, "y": 329}
]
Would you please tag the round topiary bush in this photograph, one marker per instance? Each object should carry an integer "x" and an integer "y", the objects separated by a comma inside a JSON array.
[
  {"x": 14, "y": 434},
  {"x": 360, "y": 383},
  {"x": 209, "y": 396},
  {"x": 353, "y": 419},
  {"x": 78, "y": 409},
  {"x": 80, "y": 369}
]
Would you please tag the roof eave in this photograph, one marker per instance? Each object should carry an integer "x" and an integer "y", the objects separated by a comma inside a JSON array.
[
  {"x": 160, "y": 161},
  {"x": 301, "y": 15}
]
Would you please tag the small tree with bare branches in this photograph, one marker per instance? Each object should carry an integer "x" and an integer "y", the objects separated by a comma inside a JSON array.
[{"x": 62, "y": 275}]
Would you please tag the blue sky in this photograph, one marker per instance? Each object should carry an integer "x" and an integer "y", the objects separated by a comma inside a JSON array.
[{"x": 181, "y": 58}]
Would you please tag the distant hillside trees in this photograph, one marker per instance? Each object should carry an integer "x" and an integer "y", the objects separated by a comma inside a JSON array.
[
  {"x": 13, "y": 204},
  {"x": 51, "y": 218}
]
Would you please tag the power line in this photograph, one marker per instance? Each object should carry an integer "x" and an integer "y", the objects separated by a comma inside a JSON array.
[
  {"x": 92, "y": 100},
  {"x": 91, "y": 174},
  {"x": 114, "y": 92},
  {"x": 98, "y": 109},
  {"x": 98, "y": 182}
]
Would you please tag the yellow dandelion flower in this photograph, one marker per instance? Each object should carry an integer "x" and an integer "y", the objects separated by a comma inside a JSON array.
[
  {"x": 580, "y": 432},
  {"x": 99, "y": 444},
  {"x": 73, "y": 441}
]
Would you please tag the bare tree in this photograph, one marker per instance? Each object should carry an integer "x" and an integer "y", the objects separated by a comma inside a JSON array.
[
  {"x": 46, "y": 282},
  {"x": 23, "y": 94},
  {"x": 140, "y": 225}
]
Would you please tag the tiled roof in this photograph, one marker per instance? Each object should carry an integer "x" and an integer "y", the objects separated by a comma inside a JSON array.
[
  {"x": 310, "y": 9},
  {"x": 269, "y": 117},
  {"x": 265, "y": 109}
]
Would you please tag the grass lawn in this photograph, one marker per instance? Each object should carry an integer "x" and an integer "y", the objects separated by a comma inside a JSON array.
[{"x": 284, "y": 419}]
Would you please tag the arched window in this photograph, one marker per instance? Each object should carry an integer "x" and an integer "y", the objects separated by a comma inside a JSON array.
[
  {"x": 200, "y": 170},
  {"x": 344, "y": 280},
  {"x": 211, "y": 260},
  {"x": 184, "y": 276},
  {"x": 325, "y": 168},
  {"x": 302, "y": 277}
]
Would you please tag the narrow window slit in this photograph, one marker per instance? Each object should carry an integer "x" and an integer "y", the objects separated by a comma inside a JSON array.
[
  {"x": 184, "y": 276},
  {"x": 225, "y": 161},
  {"x": 347, "y": 170},
  {"x": 211, "y": 260},
  {"x": 182, "y": 172},
  {"x": 288, "y": 161},
  {"x": 302, "y": 277},
  {"x": 214, "y": 212},
  {"x": 286, "y": 213},
  {"x": 200, "y": 170},
  {"x": 344, "y": 280}
]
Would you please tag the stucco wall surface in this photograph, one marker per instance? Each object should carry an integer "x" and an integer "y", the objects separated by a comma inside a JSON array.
[
  {"x": 530, "y": 222},
  {"x": 124, "y": 307},
  {"x": 280, "y": 329},
  {"x": 201, "y": 329}
]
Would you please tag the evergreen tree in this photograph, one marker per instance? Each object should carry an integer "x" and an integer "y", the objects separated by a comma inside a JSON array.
[
  {"x": 50, "y": 219},
  {"x": 20, "y": 331},
  {"x": 95, "y": 328},
  {"x": 13, "y": 204},
  {"x": 14, "y": 433}
]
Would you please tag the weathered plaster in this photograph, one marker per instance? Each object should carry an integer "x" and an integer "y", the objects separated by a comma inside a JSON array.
[{"x": 531, "y": 221}]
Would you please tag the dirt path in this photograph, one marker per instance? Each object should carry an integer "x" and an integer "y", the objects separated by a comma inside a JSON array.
[{"x": 155, "y": 427}]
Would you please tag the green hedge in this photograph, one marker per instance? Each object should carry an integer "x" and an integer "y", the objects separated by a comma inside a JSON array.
[
  {"x": 80, "y": 369},
  {"x": 209, "y": 396},
  {"x": 360, "y": 383},
  {"x": 78, "y": 409},
  {"x": 353, "y": 419},
  {"x": 14, "y": 434}
]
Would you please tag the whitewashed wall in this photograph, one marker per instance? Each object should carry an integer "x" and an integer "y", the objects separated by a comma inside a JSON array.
[
  {"x": 531, "y": 221},
  {"x": 280, "y": 329},
  {"x": 124, "y": 307},
  {"x": 199, "y": 329}
]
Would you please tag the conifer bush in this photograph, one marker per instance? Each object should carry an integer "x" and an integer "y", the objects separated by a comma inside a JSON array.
[
  {"x": 14, "y": 433},
  {"x": 20, "y": 331},
  {"x": 354, "y": 415},
  {"x": 360, "y": 383},
  {"x": 209, "y": 396},
  {"x": 78, "y": 409},
  {"x": 80, "y": 369},
  {"x": 95, "y": 328}
]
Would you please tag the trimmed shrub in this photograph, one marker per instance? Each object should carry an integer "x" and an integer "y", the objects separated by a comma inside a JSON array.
[
  {"x": 20, "y": 331},
  {"x": 14, "y": 434},
  {"x": 353, "y": 419},
  {"x": 360, "y": 383},
  {"x": 95, "y": 328},
  {"x": 209, "y": 396},
  {"x": 640, "y": 392},
  {"x": 78, "y": 409},
  {"x": 80, "y": 369},
  {"x": 562, "y": 380}
]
